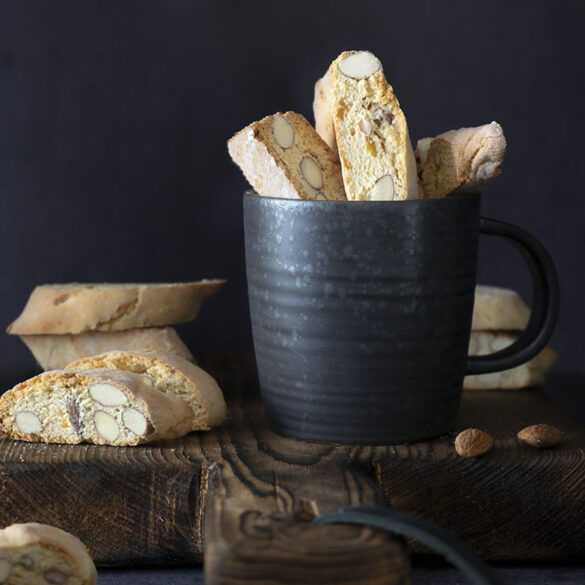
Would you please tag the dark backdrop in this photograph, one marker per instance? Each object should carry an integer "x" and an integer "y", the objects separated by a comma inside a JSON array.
[{"x": 114, "y": 117}]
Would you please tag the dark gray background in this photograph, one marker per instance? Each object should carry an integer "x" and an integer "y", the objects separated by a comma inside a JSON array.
[{"x": 114, "y": 117}]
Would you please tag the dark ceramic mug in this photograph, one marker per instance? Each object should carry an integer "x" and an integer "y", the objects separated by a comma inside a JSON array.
[{"x": 361, "y": 313}]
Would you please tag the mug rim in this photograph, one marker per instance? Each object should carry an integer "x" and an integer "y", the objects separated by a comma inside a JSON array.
[{"x": 448, "y": 200}]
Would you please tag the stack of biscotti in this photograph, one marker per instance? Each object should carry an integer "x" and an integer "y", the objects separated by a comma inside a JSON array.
[
  {"x": 116, "y": 398},
  {"x": 499, "y": 317},
  {"x": 360, "y": 148},
  {"x": 64, "y": 322}
]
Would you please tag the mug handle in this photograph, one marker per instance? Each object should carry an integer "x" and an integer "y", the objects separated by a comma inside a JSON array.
[
  {"x": 545, "y": 304},
  {"x": 430, "y": 534}
]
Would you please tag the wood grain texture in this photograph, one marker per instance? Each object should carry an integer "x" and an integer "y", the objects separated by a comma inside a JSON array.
[
  {"x": 266, "y": 490},
  {"x": 248, "y": 494},
  {"x": 128, "y": 505},
  {"x": 514, "y": 503}
]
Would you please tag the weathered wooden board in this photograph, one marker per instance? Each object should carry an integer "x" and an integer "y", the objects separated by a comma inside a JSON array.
[
  {"x": 249, "y": 493},
  {"x": 127, "y": 505}
]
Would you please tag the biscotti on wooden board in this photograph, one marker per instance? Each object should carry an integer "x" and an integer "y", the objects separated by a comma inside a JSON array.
[
  {"x": 283, "y": 156},
  {"x": 528, "y": 374},
  {"x": 54, "y": 352},
  {"x": 460, "y": 161},
  {"x": 170, "y": 374},
  {"x": 499, "y": 317},
  {"x": 498, "y": 309},
  {"x": 522, "y": 376},
  {"x": 38, "y": 554},
  {"x": 104, "y": 407},
  {"x": 76, "y": 308},
  {"x": 376, "y": 155}
]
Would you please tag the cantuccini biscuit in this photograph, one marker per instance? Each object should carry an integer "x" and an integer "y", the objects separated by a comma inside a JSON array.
[
  {"x": 528, "y": 374},
  {"x": 104, "y": 407},
  {"x": 39, "y": 554},
  {"x": 76, "y": 308},
  {"x": 372, "y": 138},
  {"x": 170, "y": 374},
  {"x": 323, "y": 111},
  {"x": 283, "y": 156},
  {"x": 460, "y": 161},
  {"x": 54, "y": 352},
  {"x": 499, "y": 309}
]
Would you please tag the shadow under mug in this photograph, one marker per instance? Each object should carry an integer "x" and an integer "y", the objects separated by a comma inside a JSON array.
[{"x": 361, "y": 313}]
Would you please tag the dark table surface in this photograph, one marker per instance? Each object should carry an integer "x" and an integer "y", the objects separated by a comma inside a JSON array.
[
  {"x": 563, "y": 388},
  {"x": 509, "y": 575},
  {"x": 565, "y": 391}
]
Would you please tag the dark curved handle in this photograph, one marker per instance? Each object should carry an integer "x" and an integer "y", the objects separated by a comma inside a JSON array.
[
  {"x": 437, "y": 538},
  {"x": 545, "y": 304}
]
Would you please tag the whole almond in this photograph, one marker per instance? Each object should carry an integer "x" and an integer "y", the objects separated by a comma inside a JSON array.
[
  {"x": 473, "y": 443},
  {"x": 541, "y": 436}
]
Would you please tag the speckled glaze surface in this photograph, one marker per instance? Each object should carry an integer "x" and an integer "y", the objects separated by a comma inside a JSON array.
[{"x": 361, "y": 314}]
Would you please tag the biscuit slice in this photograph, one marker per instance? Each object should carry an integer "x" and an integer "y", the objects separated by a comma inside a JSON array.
[
  {"x": 104, "y": 407},
  {"x": 498, "y": 309},
  {"x": 171, "y": 375},
  {"x": 376, "y": 155},
  {"x": 76, "y": 308},
  {"x": 460, "y": 161},
  {"x": 523, "y": 376},
  {"x": 283, "y": 156},
  {"x": 39, "y": 554},
  {"x": 322, "y": 110},
  {"x": 54, "y": 352}
]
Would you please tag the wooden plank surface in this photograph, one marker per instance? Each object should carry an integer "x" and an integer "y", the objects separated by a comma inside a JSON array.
[
  {"x": 246, "y": 490},
  {"x": 516, "y": 502},
  {"x": 512, "y": 575},
  {"x": 128, "y": 505}
]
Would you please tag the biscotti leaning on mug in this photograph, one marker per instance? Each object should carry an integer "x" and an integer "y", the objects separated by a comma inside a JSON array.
[
  {"x": 360, "y": 149},
  {"x": 34, "y": 553},
  {"x": 499, "y": 317},
  {"x": 64, "y": 322}
]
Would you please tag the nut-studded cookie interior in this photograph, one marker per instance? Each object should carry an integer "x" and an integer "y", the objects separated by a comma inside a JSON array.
[
  {"x": 169, "y": 374},
  {"x": 38, "y": 564},
  {"x": 37, "y": 554},
  {"x": 98, "y": 407},
  {"x": 372, "y": 136},
  {"x": 283, "y": 156}
]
